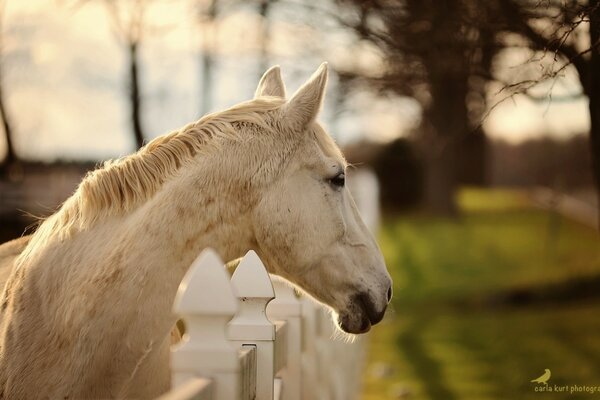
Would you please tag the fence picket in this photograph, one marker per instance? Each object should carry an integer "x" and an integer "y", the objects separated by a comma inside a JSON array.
[
  {"x": 206, "y": 309},
  {"x": 288, "y": 307},
  {"x": 309, "y": 352},
  {"x": 251, "y": 325}
]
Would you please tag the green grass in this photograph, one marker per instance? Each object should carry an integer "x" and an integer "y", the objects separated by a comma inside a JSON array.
[
  {"x": 484, "y": 355},
  {"x": 428, "y": 349},
  {"x": 487, "y": 249}
]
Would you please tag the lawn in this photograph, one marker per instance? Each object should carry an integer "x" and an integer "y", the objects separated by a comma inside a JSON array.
[{"x": 456, "y": 332}]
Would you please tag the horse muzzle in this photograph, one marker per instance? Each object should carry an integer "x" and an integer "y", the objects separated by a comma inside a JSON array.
[{"x": 363, "y": 312}]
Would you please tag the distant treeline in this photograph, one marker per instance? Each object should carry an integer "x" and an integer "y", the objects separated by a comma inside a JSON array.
[
  {"x": 32, "y": 190},
  {"x": 562, "y": 164}
]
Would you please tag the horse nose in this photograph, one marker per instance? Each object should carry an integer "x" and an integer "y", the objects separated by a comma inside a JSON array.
[
  {"x": 389, "y": 294},
  {"x": 370, "y": 309}
]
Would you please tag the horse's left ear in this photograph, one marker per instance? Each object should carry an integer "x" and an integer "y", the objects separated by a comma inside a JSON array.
[
  {"x": 271, "y": 84},
  {"x": 305, "y": 104}
]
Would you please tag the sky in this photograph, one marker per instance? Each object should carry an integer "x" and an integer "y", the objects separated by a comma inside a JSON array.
[{"x": 65, "y": 75}]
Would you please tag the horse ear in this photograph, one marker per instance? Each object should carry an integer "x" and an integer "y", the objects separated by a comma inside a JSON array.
[
  {"x": 271, "y": 84},
  {"x": 305, "y": 104}
]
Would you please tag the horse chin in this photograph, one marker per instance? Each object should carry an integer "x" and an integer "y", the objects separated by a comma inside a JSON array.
[{"x": 354, "y": 323}]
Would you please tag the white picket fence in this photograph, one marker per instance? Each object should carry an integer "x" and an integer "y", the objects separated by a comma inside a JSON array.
[{"x": 252, "y": 337}]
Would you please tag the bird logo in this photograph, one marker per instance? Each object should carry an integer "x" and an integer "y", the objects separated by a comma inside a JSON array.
[{"x": 544, "y": 378}]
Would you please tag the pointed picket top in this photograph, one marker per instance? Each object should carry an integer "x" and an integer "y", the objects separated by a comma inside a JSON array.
[
  {"x": 205, "y": 288},
  {"x": 253, "y": 287},
  {"x": 251, "y": 278}
]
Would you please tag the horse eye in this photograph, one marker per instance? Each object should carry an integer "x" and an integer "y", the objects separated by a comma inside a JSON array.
[{"x": 339, "y": 180}]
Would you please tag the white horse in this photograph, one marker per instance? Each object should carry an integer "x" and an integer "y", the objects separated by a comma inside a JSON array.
[{"x": 86, "y": 311}]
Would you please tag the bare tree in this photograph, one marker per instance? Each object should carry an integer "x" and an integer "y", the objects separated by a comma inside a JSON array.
[
  {"x": 207, "y": 19},
  {"x": 129, "y": 26},
  {"x": 569, "y": 32},
  {"x": 264, "y": 10},
  {"x": 440, "y": 53},
  {"x": 128, "y": 21},
  {"x": 209, "y": 11},
  {"x": 11, "y": 156}
]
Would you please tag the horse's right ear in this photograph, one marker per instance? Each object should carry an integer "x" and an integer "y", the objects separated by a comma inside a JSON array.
[
  {"x": 271, "y": 84},
  {"x": 305, "y": 104}
]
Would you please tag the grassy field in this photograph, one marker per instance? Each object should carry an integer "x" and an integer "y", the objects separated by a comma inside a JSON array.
[{"x": 483, "y": 304}]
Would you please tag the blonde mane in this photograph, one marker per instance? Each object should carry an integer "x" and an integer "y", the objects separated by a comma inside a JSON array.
[{"x": 121, "y": 185}]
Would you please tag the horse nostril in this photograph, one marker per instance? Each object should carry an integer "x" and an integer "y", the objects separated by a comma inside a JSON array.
[
  {"x": 370, "y": 309},
  {"x": 389, "y": 294}
]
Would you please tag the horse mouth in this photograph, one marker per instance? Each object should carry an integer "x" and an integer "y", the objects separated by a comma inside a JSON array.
[{"x": 351, "y": 324}]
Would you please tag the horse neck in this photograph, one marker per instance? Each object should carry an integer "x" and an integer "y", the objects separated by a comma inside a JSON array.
[
  {"x": 151, "y": 249},
  {"x": 183, "y": 219}
]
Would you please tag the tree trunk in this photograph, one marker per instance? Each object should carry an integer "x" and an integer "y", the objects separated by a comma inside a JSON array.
[
  {"x": 134, "y": 95},
  {"x": 448, "y": 121},
  {"x": 263, "y": 11},
  {"x": 594, "y": 92},
  {"x": 445, "y": 61},
  {"x": 206, "y": 83},
  {"x": 474, "y": 146},
  {"x": 473, "y": 158},
  {"x": 440, "y": 180},
  {"x": 207, "y": 59},
  {"x": 11, "y": 156},
  {"x": 206, "y": 93}
]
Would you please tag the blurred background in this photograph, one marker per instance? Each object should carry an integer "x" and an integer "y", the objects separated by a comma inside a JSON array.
[{"x": 480, "y": 121}]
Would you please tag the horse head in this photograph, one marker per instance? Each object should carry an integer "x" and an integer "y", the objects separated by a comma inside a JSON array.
[{"x": 307, "y": 226}]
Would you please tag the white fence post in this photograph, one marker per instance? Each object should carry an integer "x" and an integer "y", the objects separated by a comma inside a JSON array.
[
  {"x": 324, "y": 338},
  {"x": 250, "y": 325},
  {"x": 288, "y": 307},
  {"x": 309, "y": 351},
  {"x": 206, "y": 303}
]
